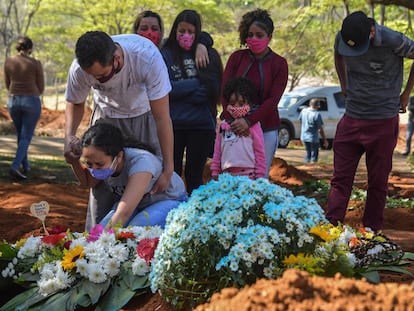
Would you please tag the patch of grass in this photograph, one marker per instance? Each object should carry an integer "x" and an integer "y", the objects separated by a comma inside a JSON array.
[
  {"x": 410, "y": 161},
  {"x": 399, "y": 202},
  {"x": 319, "y": 189},
  {"x": 41, "y": 170}
]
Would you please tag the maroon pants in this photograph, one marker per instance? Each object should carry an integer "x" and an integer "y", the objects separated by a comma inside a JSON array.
[{"x": 354, "y": 137}]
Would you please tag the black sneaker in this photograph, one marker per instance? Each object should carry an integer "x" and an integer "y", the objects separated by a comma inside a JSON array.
[
  {"x": 16, "y": 174},
  {"x": 405, "y": 154}
]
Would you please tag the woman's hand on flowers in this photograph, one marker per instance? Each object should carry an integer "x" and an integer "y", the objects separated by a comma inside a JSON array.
[{"x": 240, "y": 127}]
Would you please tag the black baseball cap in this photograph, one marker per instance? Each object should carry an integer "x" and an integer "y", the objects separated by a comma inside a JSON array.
[{"x": 354, "y": 35}]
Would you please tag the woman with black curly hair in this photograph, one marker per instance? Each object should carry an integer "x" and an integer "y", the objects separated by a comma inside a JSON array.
[{"x": 269, "y": 73}]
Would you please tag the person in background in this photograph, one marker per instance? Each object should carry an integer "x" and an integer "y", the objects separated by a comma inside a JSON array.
[
  {"x": 369, "y": 62},
  {"x": 130, "y": 170},
  {"x": 311, "y": 127},
  {"x": 24, "y": 81},
  {"x": 130, "y": 86},
  {"x": 149, "y": 25},
  {"x": 410, "y": 127},
  {"x": 234, "y": 154},
  {"x": 193, "y": 99},
  {"x": 269, "y": 73}
]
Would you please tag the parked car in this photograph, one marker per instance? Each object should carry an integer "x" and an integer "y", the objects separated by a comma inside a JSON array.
[{"x": 332, "y": 108}]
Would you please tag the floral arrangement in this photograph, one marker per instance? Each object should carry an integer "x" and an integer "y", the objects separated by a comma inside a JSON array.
[
  {"x": 351, "y": 252},
  {"x": 229, "y": 233},
  {"x": 104, "y": 267},
  {"x": 234, "y": 230}
]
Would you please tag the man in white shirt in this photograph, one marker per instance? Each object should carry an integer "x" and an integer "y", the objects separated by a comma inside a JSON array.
[{"x": 130, "y": 86}]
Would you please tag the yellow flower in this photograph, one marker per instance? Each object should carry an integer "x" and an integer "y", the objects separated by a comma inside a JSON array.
[
  {"x": 322, "y": 232},
  {"x": 335, "y": 233},
  {"x": 306, "y": 262},
  {"x": 70, "y": 257},
  {"x": 20, "y": 242},
  {"x": 295, "y": 259}
]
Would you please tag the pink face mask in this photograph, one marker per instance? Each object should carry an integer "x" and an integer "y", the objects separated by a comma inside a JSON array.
[
  {"x": 154, "y": 36},
  {"x": 256, "y": 45},
  {"x": 238, "y": 111},
  {"x": 185, "y": 41}
]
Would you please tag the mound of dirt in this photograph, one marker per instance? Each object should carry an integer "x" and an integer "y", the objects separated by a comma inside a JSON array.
[
  {"x": 297, "y": 290},
  {"x": 51, "y": 122}
]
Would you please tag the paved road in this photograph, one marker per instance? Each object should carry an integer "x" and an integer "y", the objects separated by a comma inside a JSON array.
[{"x": 52, "y": 148}]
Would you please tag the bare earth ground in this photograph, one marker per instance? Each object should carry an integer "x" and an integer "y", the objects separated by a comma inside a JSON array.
[{"x": 295, "y": 291}]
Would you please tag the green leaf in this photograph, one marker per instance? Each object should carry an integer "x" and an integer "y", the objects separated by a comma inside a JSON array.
[
  {"x": 94, "y": 290},
  {"x": 408, "y": 255},
  {"x": 392, "y": 269},
  {"x": 134, "y": 282},
  {"x": 56, "y": 301},
  {"x": 7, "y": 251},
  {"x": 371, "y": 276},
  {"x": 116, "y": 297},
  {"x": 81, "y": 297},
  {"x": 18, "y": 300}
]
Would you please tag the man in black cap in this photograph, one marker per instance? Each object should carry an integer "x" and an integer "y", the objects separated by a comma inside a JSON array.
[{"x": 369, "y": 62}]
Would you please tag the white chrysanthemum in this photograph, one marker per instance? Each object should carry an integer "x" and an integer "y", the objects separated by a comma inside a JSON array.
[
  {"x": 119, "y": 251},
  {"x": 49, "y": 270},
  {"x": 111, "y": 267},
  {"x": 140, "y": 267},
  {"x": 82, "y": 267},
  {"x": 47, "y": 287},
  {"x": 30, "y": 248},
  {"x": 234, "y": 266},
  {"x": 352, "y": 259},
  {"x": 107, "y": 239},
  {"x": 375, "y": 250},
  {"x": 96, "y": 273}
]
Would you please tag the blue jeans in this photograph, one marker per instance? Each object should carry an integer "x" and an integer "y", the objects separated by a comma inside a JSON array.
[
  {"x": 271, "y": 140},
  {"x": 408, "y": 136},
  {"x": 155, "y": 214},
  {"x": 25, "y": 112},
  {"x": 312, "y": 152}
]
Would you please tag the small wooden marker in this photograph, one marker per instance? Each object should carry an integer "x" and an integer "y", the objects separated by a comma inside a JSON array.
[{"x": 40, "y": 210}]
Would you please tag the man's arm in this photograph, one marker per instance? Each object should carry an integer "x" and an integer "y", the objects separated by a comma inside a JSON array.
[
  {"x": 340, "y": 67},
  {"x": 73, "y": 117},
  {"x": 161, "y": 112},
  {"x": 405, "y": 95},
  {"x": 325, "y": 141}
]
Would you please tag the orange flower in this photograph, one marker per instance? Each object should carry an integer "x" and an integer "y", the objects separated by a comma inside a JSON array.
[
  {"x": 354, "y": 242},
  {"x": 126, "y": 235}
]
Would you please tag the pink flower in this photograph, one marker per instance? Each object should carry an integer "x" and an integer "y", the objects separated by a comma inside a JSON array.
[
  {"x": 96, "y": 232},
  {"x": 146, "y": 249}
]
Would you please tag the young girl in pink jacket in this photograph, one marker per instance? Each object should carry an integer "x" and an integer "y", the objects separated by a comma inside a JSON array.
[{"x": 242, "y": 155}]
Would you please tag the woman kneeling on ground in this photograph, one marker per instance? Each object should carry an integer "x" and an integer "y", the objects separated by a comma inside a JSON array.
[{"x": 129, "y": 169}]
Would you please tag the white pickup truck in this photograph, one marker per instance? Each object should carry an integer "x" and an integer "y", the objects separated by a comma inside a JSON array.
[{"x": 332, "y": 108}]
